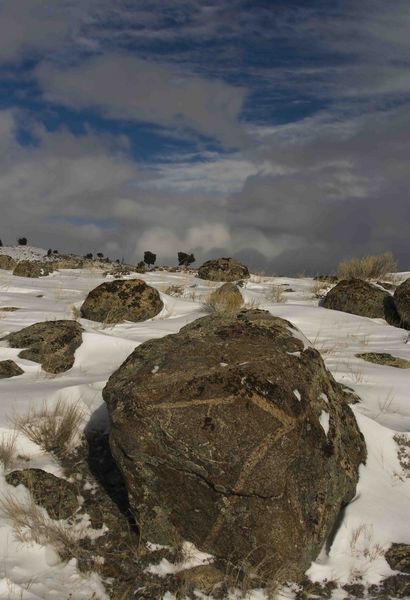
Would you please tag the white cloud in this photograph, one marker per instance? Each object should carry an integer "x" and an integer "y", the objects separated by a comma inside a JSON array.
[{"x": 125, "y": 87}]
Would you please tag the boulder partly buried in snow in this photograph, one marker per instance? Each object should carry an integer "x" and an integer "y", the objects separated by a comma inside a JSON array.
[
  {"x": 52, "y": 343},
  {"x": 122, "y": 300},
  {"x": 223, "y": 269},
  {"x": 361, "y": 298},
  {"x": 232, "y": 435},
  {"x": 33, "y": 268},
  {"x": 56, "y": 495},
  {"x": 7, "y": 262},
  {"x": 402, "y": 302},
  {"x": 8, "y": 368}
]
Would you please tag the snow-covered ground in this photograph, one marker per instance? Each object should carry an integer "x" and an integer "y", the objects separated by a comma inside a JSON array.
[{"x": 378, "y": 516}]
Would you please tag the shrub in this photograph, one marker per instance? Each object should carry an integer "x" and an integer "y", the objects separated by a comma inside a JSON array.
[
  {"x": 22, "y": 241},
  {"x": 149, "y": 258},
  {"x": 89, "y": 255},
  {"x": 49, "y": 252},
  {"x": 100, "y": 255},
  {"x": 184, "y": 259},
  {"x": 1, "y": 243},
  {"x": 226, "y": 302},
  {"x": 368, "y": 267}
]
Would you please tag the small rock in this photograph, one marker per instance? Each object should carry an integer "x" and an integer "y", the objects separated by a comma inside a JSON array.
[
  {"x": 52, "y": 344},
  {"x": 223, "y": 269},
  {"x": 56, "y": 495},
  {"x": 33, "y": 268},
  {"x": 382, "y": 358},
  {"x": 402, "y": 302},
  {"x": 122, "y": 300},
  {"x": 8, "y": 368},
  {"x": 358, "y": 297},
  {"x": 7, "y": 262}
]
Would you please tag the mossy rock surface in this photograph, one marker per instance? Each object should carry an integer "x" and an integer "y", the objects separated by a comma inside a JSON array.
[
  {"x": 382, "y": 358},
  {"x": 51, "y": 343},
  {"x": 402, "y": 302},
  {"x": 223, "y": 269},
  {"x": 233, "y": 435},
  {"x": 56, "y": 495},
  {"x": 361, "y": 298},
  {"x": 398, "y": 557},
  {"x": 122, "y": 300},
  {"x": 33, "y": 268},
  {"x": 8, "y": 368},
  {"x": 7, "y": 262}
]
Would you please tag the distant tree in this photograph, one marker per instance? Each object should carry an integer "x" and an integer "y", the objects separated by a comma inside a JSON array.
[
  {"x": 89, "y": 255},
  {"x": 49, "y": 252},
  {"x": 184, "y": 259},
  {"x": 117, "y": 260},
  {"x": 100, "y": 255},
  {"x": 22, "y": 241},
  {"x": 55, "y": 251},
  {"x": 149, "y": 258},
  {"x": 1, "y": 243}
]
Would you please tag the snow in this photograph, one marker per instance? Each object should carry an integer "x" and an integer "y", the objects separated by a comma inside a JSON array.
[{"x": 377, "y": 516}]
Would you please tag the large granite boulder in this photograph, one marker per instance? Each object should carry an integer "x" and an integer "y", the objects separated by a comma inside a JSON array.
[
  {"x": 122, "y": 300},
  {"x": 33, "y": 268},
  {"x": 58, "y": 496},
  {"x": 402, "y": 302},
  {"x": 7, "y": 262},
  {"x": 361, "y": 298},
  {"x": 233, "y": 435},
  {"x": 8, "y": 368},
  {"x": 52, "y": 343},
  {"x": 223, "y": 269}
]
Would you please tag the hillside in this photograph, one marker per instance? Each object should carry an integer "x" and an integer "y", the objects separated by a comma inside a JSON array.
[{"x": 371, "y": 523}]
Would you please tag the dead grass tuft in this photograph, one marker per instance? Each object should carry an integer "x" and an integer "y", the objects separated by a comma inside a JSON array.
[
  {"x": 227, "y": 302},
  {"x": 53, "y": 429},
  {"x": 32, "y": 524},
  {"x": 277, "y": 295},
  {"x": 368, "y": 267},
  {"x": 8, "y": 450}
]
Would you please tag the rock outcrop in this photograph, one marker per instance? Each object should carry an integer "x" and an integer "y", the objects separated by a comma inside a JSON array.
[
  {"x": 33, "y": 268},
  {"x": 223, "y": 269},
  {"x": 122, "y": 300},
  {"x": 7, "y": 262},
  {"x": 402, "y": 303},
  {"x": 232, "y": 435},
  {"x": 52, "y": 343},
  {"x": 8, "y": 368},
  {"x": 361, "y": 298}
]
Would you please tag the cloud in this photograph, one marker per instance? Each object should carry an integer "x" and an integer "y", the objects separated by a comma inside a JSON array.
[
  {"x": 31, "y": 24},
  {"x": 125, "y": 87},
  {"x": 331, "y": 191}
]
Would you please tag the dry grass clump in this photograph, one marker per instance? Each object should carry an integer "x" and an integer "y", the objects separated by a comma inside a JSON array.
[
  {"x": 32, "y": 524},
  {"x": 277, "y": 295},
  {"x": 368, "y": 267},
  {"x": 320, "y": 288},
  {"x": 8, "y": 450},
  {"x": 53, "y": 429},
  {"x": 227, "y": 302}
]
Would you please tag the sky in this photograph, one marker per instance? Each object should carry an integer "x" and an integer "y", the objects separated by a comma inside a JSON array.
[{"x": 274, "y": 131}]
